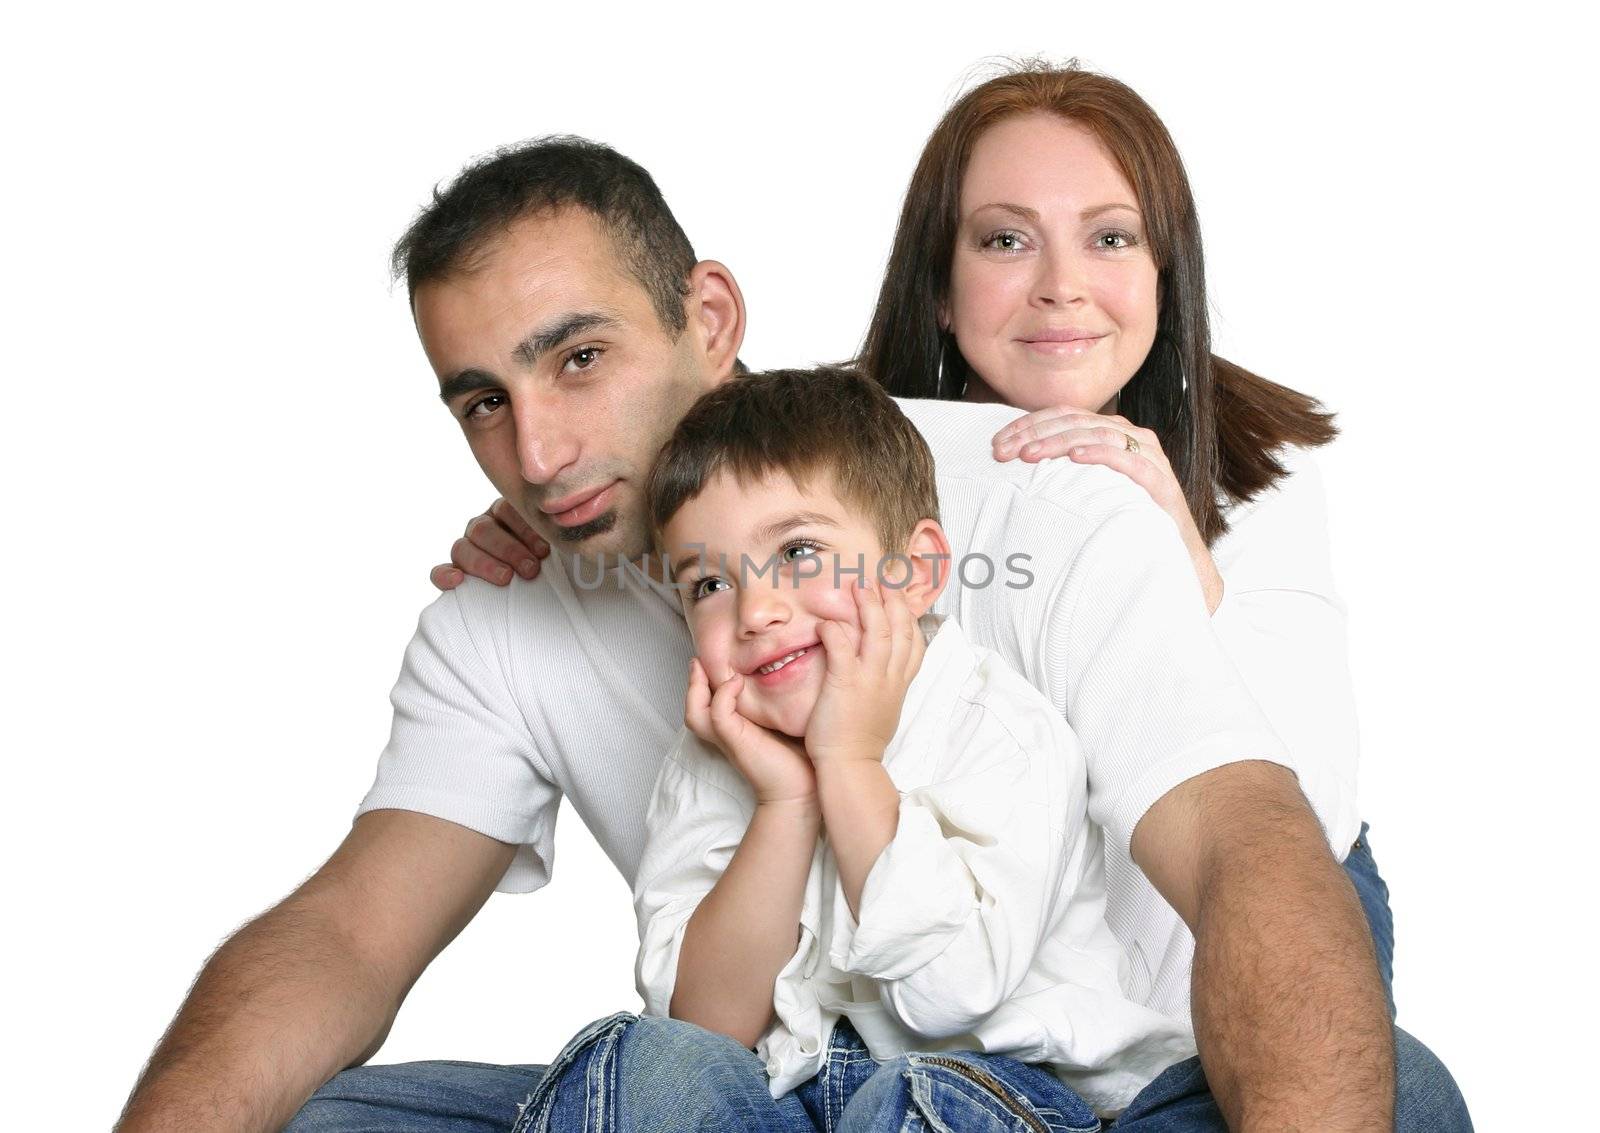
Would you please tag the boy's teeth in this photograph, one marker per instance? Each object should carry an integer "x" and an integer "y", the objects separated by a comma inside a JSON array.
[{"x": 774, "y": 666}]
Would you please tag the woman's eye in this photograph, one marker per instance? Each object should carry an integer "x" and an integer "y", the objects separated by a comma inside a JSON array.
[
  {"x": 1006, "y": 241},
  {"x": 706, "y": 587},
  {"x": 484, "y": 406},
  {"x": 1114, "y": 241},
  {"x": 583, "y": 358}
]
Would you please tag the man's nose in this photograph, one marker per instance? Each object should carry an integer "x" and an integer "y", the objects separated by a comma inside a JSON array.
[{"x": 546, "y": 444}]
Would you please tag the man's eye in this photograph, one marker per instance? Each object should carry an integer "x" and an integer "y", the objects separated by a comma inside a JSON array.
[
  {"x": 484, "y": 406},
  {"x": 583, "y": 358},
  {"x": 706, "y": 587}
]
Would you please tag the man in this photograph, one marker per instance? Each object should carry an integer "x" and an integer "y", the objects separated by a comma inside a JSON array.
[{"x": 571, "y": 326}]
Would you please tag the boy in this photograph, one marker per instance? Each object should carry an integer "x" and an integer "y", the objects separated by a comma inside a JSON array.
[{"x": 867, "y": 854}]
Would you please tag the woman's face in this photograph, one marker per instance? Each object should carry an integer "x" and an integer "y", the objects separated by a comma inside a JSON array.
[{"x": 1052, "y": 284}]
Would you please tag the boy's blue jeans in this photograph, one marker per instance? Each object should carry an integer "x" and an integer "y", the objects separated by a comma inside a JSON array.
[
  {"x": 425, "y": 1097},
  {"x": 629, "y": 1075}
]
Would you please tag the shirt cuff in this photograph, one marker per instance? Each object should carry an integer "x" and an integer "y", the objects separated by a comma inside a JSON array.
[{"x": 910, "y": 912}]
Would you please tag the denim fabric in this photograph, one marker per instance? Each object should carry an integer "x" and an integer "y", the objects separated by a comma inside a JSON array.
[
  {"x": 855, "y": 1093},
  {"x": 623, "y": 1075},
  {"x": 1427, "y": 1099},
  {"x": 1374, "y": 893},
  {"x": 431, "y": 1097},
  {"x": 419, "y": 1097}
]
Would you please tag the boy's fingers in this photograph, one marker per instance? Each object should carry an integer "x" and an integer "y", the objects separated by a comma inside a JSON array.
[
  {"x": 697, "y": 701},
  {"x": 874, "y": 624},
  {"x": 902, "y": 628},
  {"x": 725, "y": 711},
  {"x": 839, "y": 648}
]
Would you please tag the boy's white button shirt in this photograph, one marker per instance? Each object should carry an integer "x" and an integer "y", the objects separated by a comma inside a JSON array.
[
  {"x": 983, "y": 921},
  {"x": 514, "y": 698}
]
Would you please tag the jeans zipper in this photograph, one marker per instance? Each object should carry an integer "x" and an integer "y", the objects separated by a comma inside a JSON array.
[{"x": 989, "y": 1082}]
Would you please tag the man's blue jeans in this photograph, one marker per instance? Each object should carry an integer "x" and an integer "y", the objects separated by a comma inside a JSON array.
[{"x": 464, "y": 1097}]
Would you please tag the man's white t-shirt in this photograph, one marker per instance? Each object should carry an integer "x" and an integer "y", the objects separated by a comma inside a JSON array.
[{"x": 572, "y": 685}]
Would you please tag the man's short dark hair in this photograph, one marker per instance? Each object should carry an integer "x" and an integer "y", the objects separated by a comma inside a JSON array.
[
  {"x": 543, "y": 175},
  {"x": 802, "y": 422}
]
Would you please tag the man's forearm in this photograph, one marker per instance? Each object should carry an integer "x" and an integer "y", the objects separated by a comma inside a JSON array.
[
  {"x": 280, "y": 1008},
  {"x": 1289, "y": 1010}
]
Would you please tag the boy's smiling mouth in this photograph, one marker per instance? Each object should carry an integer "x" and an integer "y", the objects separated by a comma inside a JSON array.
[{"x": 790, "y": 661}]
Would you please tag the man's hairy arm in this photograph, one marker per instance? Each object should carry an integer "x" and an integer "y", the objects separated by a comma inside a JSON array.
[
  {"x": 313, "y": 984},
  {"x": 1289, "y": 1011}
]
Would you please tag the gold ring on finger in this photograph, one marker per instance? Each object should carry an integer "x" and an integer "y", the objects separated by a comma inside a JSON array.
[{"x": 1130, "y": 444}]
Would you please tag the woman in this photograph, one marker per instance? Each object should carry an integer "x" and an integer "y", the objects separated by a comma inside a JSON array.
[{"x": 1048, "y": 256}]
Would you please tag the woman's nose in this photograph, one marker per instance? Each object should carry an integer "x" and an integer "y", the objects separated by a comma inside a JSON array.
[{"x": 1060, "y": 280}]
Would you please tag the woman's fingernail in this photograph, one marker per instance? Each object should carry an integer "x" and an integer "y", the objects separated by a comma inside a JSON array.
[{"x": 528, "y": 567}]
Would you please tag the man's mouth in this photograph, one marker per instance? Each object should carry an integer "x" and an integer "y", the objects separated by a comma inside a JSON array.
[{"x": 580, "y": 507}]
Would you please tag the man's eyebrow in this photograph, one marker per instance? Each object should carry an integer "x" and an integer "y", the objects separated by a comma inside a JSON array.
[
  {"x": 547, "y": 338},
  {"x": 467, "y": 381}
]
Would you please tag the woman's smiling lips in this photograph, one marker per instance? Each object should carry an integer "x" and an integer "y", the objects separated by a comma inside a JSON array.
[
  {"x": 581, "y": 507},
  {"x": 1064, "y": 342}
]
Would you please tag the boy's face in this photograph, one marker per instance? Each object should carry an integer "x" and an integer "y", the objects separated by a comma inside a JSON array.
[{"x": 760, "y": 566}]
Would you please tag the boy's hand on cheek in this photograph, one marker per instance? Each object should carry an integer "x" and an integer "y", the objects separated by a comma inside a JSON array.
[
  {"x": 774, "y": 765},
  {"x": 868, "y": 673}
]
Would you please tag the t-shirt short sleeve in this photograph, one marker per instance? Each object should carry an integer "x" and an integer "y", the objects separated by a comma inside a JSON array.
[
  {"x": 1126, "y": 650},
  {"x": 459, "y": 750}
]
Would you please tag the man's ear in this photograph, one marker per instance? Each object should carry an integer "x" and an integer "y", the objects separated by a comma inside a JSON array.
[
  {"x": 929, "y": 552},
  {"x": 716, "y": 313}
]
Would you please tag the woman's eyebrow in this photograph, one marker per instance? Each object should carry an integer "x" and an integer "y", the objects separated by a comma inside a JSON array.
[
  {"x": 1022, "y": 212},
  {"x": 1090, "y": 213}
]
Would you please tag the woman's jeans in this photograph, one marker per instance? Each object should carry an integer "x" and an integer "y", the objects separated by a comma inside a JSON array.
[{"x": 464, "y": 1097}]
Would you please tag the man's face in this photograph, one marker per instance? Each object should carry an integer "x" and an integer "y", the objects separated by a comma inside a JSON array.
[{"x": 564, "y": 380}]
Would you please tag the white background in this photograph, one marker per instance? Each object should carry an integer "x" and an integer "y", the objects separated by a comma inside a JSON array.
[{"x": 226, "y": 471}]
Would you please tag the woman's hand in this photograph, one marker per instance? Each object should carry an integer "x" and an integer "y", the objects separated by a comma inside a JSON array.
[
  {"x": 869, "y": 671},
  {"x": 1093, "y": 438},
  {"x": 774, "y": 765},
  {"x": 496, "y": 544}
]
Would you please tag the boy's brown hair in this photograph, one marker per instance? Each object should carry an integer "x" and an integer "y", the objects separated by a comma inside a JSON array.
[{"x": 802, "y": 422}]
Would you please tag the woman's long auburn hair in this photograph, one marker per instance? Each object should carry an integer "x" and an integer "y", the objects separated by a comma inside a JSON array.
[{"x": 1220, "y": 425}]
